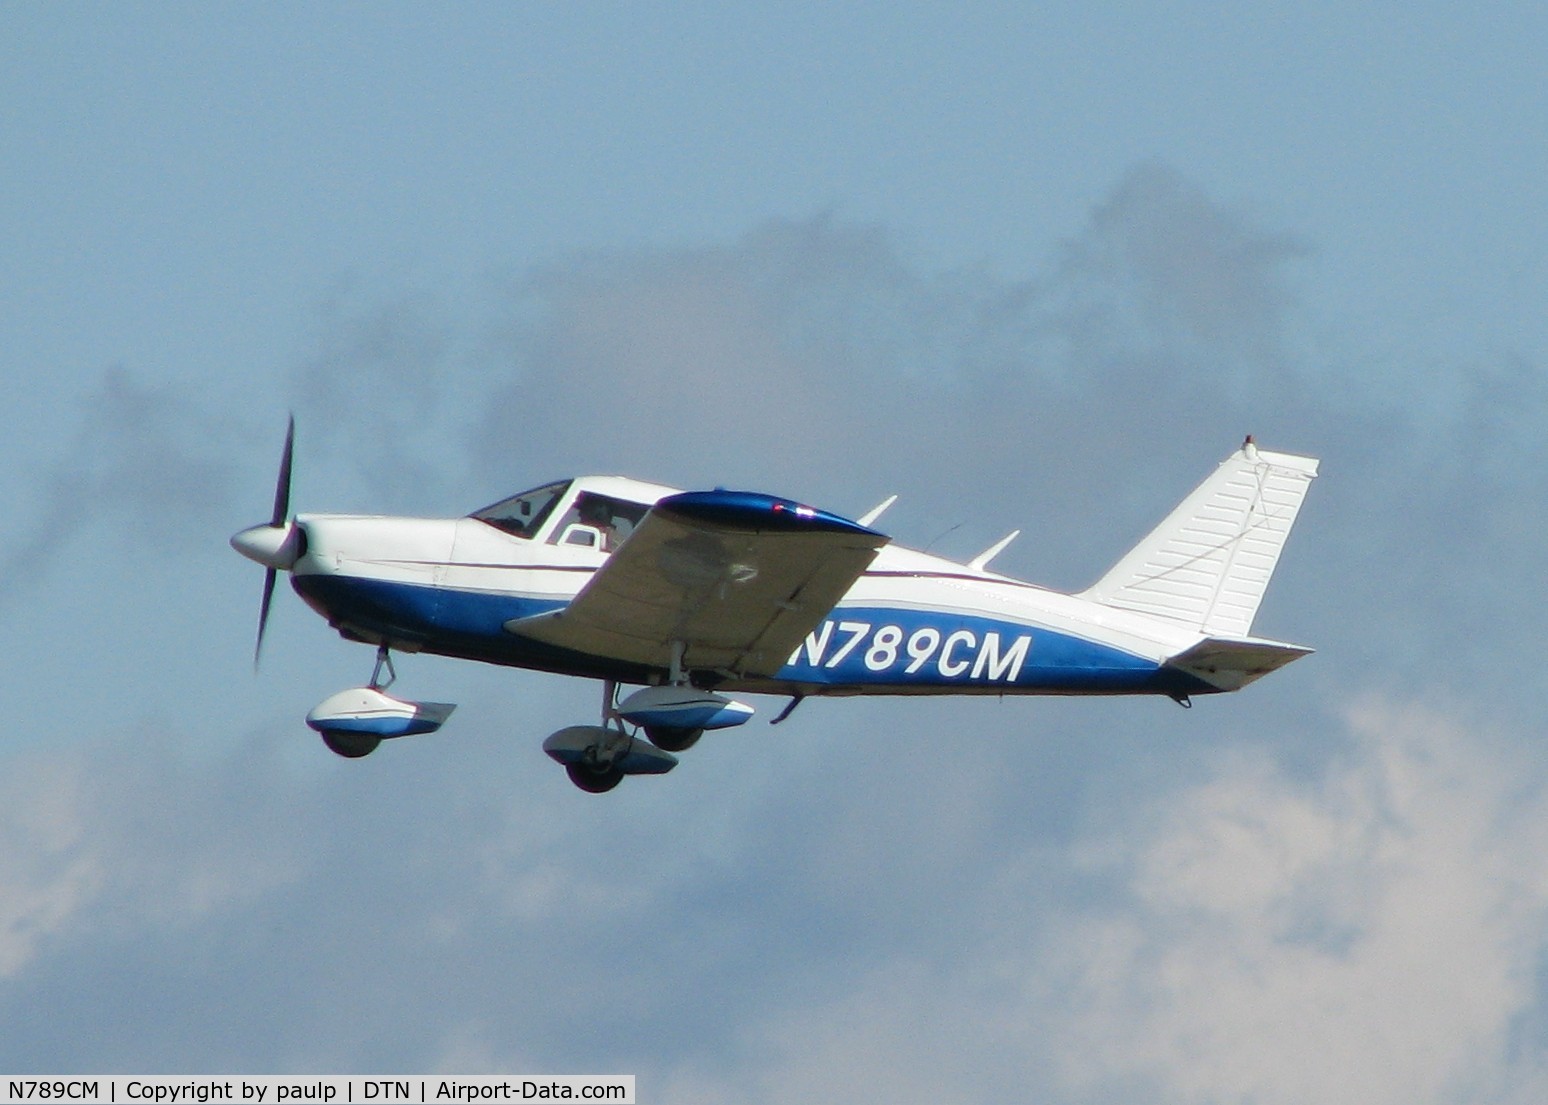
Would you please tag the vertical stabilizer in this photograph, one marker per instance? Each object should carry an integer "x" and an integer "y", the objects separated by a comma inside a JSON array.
[{"x": 1209, "y": 563}]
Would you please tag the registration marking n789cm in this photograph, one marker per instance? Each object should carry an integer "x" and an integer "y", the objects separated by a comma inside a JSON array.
[{"x": 960, "y": 653}]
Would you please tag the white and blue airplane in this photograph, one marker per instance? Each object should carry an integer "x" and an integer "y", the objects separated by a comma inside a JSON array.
[{"x": 695, "y": 596}]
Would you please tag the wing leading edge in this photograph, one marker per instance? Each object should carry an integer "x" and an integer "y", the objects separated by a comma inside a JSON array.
[{"x": 738, "y": 577}]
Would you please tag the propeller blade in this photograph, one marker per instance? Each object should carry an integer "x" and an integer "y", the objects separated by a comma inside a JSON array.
[
  {"x": 263, "y": 613},
  {"x": 282, "y": 485},
  {"x": 280, "y": 519}
]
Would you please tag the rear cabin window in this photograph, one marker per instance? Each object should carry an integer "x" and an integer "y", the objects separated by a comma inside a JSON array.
[{"x": 599, "y": 522}]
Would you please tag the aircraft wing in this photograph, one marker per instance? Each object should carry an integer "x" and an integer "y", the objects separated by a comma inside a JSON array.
[{"x": 740, "y": 578}]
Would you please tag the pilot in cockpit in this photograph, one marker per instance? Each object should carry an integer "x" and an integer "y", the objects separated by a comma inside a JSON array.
[{"x": 594, "y": 512}]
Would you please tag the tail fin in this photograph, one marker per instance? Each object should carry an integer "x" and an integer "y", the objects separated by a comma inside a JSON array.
[{"x": 1209, "y": 563}]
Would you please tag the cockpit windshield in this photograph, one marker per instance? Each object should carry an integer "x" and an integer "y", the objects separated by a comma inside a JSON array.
[{"x": 523, "y": 515}]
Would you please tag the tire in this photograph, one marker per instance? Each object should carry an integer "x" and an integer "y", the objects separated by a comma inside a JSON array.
[
  {"x": 352, "y": 746},
  {"x": 593, "y": 781},
  {"x": 672, "y": 740}
]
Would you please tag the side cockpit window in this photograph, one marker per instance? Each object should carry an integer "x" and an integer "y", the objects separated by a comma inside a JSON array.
[
  {"x": 523, "y": 515},
  {"x": 599, "y": 522}
]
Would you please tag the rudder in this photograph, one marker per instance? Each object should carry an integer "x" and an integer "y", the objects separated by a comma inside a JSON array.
[{"x": 1208, "y": 564}]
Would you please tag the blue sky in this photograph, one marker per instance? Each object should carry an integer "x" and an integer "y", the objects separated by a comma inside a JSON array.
[{"x": 1034, "y": 270}]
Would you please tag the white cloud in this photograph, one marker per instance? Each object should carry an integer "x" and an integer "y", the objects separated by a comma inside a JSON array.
[
  {"x": 48, "y": 869},
  {"x": 102, "y": 842},
  {"x": 1370, "y": 933},
  {"x": 1369, "y": 936}
]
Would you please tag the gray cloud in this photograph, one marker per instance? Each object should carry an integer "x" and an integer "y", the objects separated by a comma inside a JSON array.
[
  {"x": 145, "y": 465},
  {"x": 1077, "y": 404},
  {"x": 373, "y": 396},
  {"x": 1161, "y": 265}
]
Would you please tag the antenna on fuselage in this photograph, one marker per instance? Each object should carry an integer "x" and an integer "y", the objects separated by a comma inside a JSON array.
[
  {"x": 994, "y": 550},
  {"x": 876, "y": 511}
]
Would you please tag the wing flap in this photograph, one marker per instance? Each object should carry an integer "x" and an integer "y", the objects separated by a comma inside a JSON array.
[{"x": 739, "y": 578}]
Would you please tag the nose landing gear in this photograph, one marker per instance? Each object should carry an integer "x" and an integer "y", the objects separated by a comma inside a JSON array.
[{"x": 353, "y": 723}]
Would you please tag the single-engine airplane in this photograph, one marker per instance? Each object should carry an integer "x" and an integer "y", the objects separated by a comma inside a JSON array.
[{"x": 698, "y": 595}]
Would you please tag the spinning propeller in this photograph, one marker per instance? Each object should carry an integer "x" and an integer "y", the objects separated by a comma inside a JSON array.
[{"x": 278, "y": 544}]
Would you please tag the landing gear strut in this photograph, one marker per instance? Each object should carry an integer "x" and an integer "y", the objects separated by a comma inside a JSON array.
[
  {"x": 383, "y": 660},
  {"x": 670, "y": 738},
  {"x": 597, "y": 770}
]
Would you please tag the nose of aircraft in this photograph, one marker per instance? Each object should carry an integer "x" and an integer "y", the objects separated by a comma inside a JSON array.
[{"x": 275, "y": 547}]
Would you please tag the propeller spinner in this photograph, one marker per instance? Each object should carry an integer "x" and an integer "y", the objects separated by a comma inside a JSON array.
[{"x": 276, "y": 545}]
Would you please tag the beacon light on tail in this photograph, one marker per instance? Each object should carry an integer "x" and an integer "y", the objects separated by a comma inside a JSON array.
[{"x": 697, "y": 596}]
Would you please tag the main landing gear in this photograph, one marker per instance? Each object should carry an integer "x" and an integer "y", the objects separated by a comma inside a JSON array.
[
  {"x": 671, "y": 718},
  {"x": 597, "y": 757}
]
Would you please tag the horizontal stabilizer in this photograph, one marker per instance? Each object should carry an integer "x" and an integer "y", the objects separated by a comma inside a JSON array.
[
  {"x": 1230, "y": 664},
  {"x": 1207, "y": 565}
]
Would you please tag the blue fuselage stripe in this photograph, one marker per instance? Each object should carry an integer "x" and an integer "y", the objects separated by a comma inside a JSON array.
[{"x": 854, "y": 650}]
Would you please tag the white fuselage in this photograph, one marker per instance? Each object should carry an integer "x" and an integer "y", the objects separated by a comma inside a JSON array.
[{"x": 914, "y": 623}]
